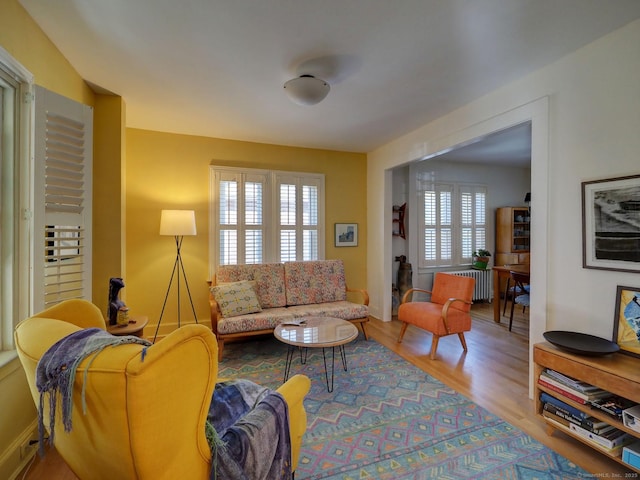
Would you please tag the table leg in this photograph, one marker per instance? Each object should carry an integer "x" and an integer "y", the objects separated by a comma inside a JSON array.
[
  {"x": 496, "y": 296},
  {"x": 287, "y": 366},
  {"x": 326, "y": 373},
  {"x": 343, "y": 354}
]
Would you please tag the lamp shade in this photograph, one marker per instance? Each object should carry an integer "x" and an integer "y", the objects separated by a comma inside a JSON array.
[
  {"x": 307, "y": 90},
  {"x": 177, "y": 222}
]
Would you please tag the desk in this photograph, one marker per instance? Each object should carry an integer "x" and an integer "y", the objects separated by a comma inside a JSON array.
[{"x": 499, "y": 273}]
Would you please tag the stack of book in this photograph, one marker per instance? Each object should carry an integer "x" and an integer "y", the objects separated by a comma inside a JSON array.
[
  {"x": 580, "y": 392},
  {"x": 613, "y": 405},
  {"x": 598, "y": 432}
]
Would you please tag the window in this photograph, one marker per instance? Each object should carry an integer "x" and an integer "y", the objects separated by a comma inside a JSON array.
[
  {"x": 261, "y": 216},
  {"x": 15, "y": 166},
  {"x": 49, "y": 195},
  {"x": 453, "y": 223}
]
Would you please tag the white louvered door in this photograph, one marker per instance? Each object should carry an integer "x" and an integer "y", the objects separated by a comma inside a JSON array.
[{"x": 62, "y": 199}]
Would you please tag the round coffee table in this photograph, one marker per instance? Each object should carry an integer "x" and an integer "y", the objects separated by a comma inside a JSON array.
[{"x": 316, "y": 332}]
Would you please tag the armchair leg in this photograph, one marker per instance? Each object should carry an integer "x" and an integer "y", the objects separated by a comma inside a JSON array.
[
  {"x": 402, "y": 330},
  {"x": 462, "y": 341},
  {"x": 220, "y": 348},
  {"x": 364, "y": 332},
  {"x": 434, "y": 346}
]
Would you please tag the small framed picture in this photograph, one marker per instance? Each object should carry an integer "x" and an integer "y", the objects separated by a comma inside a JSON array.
[
  {"x": 611, "y": 224},
  {"x": 346, "y": 234},
  {"x": 626, "y": 321}
]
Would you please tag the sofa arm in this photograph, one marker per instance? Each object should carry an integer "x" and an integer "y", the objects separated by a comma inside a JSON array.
[
  {"x": 294, "y": 391},
  {"x": 364, "y": 293},
  {"x": 213, "y": 308}
]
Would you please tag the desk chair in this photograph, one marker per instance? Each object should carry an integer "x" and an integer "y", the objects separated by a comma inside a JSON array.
[
  {"x": 521, "y": 289},
  {"x": 509, "y": 293}
]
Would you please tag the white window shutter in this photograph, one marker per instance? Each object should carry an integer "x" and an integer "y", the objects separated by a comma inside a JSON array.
[{"x": 62, "y": 199}]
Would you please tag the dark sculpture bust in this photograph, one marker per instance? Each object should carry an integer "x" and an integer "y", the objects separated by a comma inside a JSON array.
[{"x": 115, "y": 285}]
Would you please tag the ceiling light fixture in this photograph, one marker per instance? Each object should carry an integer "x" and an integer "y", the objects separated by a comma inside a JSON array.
[{"x": 307, "y": 90}]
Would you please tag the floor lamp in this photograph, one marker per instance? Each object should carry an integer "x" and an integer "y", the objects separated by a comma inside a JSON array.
[{"x": 177, "y": 223}]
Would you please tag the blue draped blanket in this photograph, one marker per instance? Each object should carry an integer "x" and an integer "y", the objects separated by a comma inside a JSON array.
[
  {"x": 248, "y": 429},
  {"x": 56, "y": 372}
]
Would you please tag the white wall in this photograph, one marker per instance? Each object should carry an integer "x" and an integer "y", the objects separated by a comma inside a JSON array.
[{"x": 585, "y": 112}]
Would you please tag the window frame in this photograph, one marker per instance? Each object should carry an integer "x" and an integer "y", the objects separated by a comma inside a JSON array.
[
  {"x": 16, "y": 186},
  {"x": 271, "y": 225}
]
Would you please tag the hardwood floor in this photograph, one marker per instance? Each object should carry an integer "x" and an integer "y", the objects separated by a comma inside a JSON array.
[{"x": 494, "y": 373}]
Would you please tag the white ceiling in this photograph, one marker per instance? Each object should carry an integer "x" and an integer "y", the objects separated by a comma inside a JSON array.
[
  {"x": 216, "y": 67},
  {"x": 509, "y": 147}
]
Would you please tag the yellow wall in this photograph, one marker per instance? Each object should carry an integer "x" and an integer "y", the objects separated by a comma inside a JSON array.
[
  {"x": 108, "y": 195},
  {"x": 23, "y": 39},
  {"x": 170, "y": 171}
]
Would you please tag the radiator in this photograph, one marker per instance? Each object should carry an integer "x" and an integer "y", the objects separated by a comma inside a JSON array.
[{"x": 484, "y": 286}]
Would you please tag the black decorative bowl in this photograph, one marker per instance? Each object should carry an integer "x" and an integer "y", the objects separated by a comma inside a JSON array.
[{"x": 581, "y": 343}]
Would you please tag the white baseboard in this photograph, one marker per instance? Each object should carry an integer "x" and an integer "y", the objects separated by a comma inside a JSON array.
[{"x": 12, "y": 460}]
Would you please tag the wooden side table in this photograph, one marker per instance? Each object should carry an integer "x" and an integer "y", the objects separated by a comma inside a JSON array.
[{"x": 134, "y": 327}]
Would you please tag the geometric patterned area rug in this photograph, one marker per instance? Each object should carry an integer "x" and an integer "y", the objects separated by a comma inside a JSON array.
[{"x": 387, "y": 419}]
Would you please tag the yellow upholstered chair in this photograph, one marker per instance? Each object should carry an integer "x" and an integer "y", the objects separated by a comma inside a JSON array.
[
  {"x": 446, "y": 313},
  {"x": 145, "y": 418}
]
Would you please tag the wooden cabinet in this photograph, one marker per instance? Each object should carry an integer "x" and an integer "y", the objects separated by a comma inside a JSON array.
[
  {"x": 513, "y": 235},
  {"x": 616, "y": 373}
]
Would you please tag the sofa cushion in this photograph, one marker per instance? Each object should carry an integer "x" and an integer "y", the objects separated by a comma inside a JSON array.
[
  {"x": 269, "y": 278},
  {"x": 315, "y": 282},
  {"x": 265, "y": 320},
  {"x": 237, "y": 298},
  {"x": 343, "y": 309}
]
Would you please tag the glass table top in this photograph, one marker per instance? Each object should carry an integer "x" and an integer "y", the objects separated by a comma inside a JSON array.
[{"x": 317, "y": 332}]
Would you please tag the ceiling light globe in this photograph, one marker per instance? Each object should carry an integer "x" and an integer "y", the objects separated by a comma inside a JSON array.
[{"x": 307, "y": 90}]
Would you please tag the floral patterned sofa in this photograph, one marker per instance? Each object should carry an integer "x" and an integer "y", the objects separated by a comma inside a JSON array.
[{"x": 250, "y": 300}]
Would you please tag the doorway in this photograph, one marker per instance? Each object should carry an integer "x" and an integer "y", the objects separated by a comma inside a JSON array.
[{"x": 380, "y": 270}]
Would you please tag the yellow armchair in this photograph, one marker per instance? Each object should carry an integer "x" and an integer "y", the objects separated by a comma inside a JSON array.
[{"x": 144, "y": 419}]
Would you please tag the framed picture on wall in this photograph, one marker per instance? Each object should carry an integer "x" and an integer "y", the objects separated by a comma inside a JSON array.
[
  {"x": 346, "y": 234},
  {"x": 611, "y": 224},
  {"x": 626, "y": 320}
]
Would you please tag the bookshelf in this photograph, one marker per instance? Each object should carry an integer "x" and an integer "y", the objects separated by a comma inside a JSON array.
[{"x": 616, "y": 373}]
